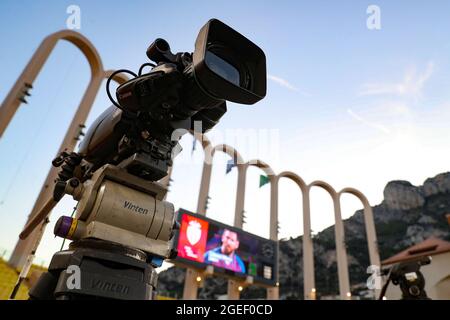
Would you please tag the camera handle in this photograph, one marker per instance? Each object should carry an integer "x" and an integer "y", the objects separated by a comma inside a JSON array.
[{"x": 70, "y": 163}]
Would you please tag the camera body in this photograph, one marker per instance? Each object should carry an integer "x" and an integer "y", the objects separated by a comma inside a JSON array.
[
  {"x": 180, "y": 89},
  {"x": 132, "y": 143}
]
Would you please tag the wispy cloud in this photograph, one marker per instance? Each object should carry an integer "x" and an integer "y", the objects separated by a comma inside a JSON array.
[
  {"x": 376, "y": 126},
  {"x": 411, "y": 85},
  {"x": 284, "y": 83}
]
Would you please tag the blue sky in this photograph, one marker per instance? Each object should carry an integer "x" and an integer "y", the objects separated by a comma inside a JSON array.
[{"x": 345, "y": 104}]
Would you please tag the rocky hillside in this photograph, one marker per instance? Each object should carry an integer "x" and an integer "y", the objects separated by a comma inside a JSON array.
[{"x": 408, "y": 214}]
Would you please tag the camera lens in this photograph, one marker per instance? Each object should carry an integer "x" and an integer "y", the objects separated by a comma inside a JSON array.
[
  {"x": 222, "y": 68},
  {"x": 227, "y": 65}
]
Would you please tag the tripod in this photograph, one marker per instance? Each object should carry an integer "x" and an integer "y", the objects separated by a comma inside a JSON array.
[
  {"x": 122, "y": 231},
  {"x": 411, "y": 281}
]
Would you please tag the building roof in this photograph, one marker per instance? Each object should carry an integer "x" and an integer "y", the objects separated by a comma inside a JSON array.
[{"x": 430, "y": 247}]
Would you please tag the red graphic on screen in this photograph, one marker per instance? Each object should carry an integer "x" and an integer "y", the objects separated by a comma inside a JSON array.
[{"x": 192, "y": 239}]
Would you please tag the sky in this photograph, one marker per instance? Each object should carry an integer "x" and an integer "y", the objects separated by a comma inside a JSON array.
[{"x": 347, "y": 103}]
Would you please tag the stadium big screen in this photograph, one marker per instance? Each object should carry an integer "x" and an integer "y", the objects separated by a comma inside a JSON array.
[{"x": 202, "y": 241}]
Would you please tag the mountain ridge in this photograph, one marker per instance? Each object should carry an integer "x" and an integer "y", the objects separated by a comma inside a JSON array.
[{"x": 407, "y": 215}]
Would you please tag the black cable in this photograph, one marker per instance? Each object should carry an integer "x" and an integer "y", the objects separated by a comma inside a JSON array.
[
  {"x": 109, "y": 81},
  {"x": 148, "y": 64}
]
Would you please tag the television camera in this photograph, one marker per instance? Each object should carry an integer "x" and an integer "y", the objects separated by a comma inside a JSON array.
[{"x": 123, "y": 228}]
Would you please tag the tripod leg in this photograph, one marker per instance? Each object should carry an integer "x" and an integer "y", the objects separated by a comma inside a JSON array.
[{"x": 30, "y": 258}]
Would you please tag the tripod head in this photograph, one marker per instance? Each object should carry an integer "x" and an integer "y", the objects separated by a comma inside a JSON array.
[{"x": 119, "y": 207}]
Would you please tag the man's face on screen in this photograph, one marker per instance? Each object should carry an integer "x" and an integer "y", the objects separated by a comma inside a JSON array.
[{"x": 230, "y": 242}]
